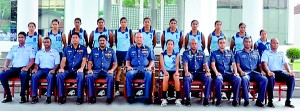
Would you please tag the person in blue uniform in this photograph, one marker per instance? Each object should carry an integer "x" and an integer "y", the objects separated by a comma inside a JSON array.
[
  {"x": 33, "y": 38},
  {"x": 123, "y": 40},
  {"x": 46, "y": 64},
  {"x": 22, "y": 58},
  {"x": 249, "y": 65},
  {"x": 194, "y": 61},
  {"x": 263, "y": 43},
  {"x": 139, "y": 61},
  {"x": 100, "y": 30},
  {"x": 172, "y": 33},
  {"x": 195, "y": 34},
  {"x": 212, "y": 41},
  {"x": 236, "y": 43},
  {"x": 149, "y": 33},
  {"x": 57, "y": 36},
  {"x": 169, "y": 66},
  {"x": 221, "y": 60},
  {"x": 273, "y": 62},
  {"x": 72, "y": 65},
  {"x": 102, "y": 63},
  {"x": 83, "y": 35}
]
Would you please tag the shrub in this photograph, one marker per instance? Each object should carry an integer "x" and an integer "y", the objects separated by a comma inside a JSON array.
[{"x": 293, "y": 54}]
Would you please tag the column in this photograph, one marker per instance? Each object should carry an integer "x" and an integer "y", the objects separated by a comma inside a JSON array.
[
  {"x": 291, "y": 26},
  {"x": 180, "y": 12},
  {"x": 253, "y": 17},
  {"x": 154, "y": 13},
  {"x": 69, "y": 16},
  {"x": 141, "y": 14},
  {"x": 107, "y": 13},
  {"x": 90, "y": 15},
  {"x": 27, "y": 11}
]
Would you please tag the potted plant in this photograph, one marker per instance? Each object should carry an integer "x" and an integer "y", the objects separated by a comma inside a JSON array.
[{"x": 293, "y": 54}]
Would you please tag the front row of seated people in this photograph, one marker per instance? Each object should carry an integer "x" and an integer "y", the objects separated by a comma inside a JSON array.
[{"x": 240, "y": 69}]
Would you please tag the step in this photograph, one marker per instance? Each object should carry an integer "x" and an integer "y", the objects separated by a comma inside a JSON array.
[{"x": 4, "y": 54}]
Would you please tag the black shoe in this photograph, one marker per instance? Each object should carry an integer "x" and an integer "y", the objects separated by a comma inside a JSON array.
[
  {"x": 92, "y": 100},
  {"x": 79, "y": 101},
  {"x": 34, "y": 100},
  {"x": 234, "y": 103},
  {"x": 48, "y": 100},
  {"x": 109, "y": 100},
  {"x": 205, "y": 102},
  {"x": 270, "y": 104},
  {"x": 8, "y": 99},
  {"x": 130, "y": 100},
  {"x": 218, "y": 103},
  {"x": 23, "y": 100},
  {"x": 188, "y": 103},
  {"x": 148, "y": 101},
  {"x": 259, "y": 104},
  {"x": 288, "y": 104},
  {"x": 246, "y": 103},
  {"x": 62, "y": 100}
]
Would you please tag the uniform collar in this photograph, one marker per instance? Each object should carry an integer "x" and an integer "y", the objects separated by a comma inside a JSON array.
[
  {"x": 237, "y": 34},
  {"x": 44, "y": 50},
  {"x": 166, "y": 53},
  {"x": 80, "y": 30},
  {"x": 191, "y": 52},
  {"x": 168, "y": 30},
  {"x": 119, "y": 30},
  {"x": 246, "y": 51},
  {"x": 219, "y": 50},
  {"x": 34, "y": 34},
  {"x": 73, "y": 46},
  {"x": 104, "y": 30},
  {"x": 214, "y": 33},
  {"x": 58, "y": 32},
  {"x": 143, "y": 29},
  {"x": 191, "y": 32},
  {"x": 21, "y": 46},
  {"x": 105, "y": 49},
  {"x": 262, "y": 41},
  {"x": 140, "y": 47}
]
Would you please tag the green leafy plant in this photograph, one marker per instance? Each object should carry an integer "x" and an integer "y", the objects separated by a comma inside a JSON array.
[{"x": 293, "y": 54}]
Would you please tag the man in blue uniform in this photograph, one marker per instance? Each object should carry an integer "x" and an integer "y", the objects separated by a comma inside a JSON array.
[
  {"x": 72, "y": 65},
  {"x": 273, "y": 60},
  {"x": 194, "y": 61},
  {"x": 249, "y": 66},
  {"x": 46, "y": 64},
  {"x": 221, "y": 60},
  {"x": 139, "y": 60},
  {"x": 22, "y": 58},
  {"x": 102, "y": 63}
]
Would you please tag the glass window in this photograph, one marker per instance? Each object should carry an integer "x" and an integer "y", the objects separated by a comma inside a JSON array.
[{"x": 8, "y": 20}]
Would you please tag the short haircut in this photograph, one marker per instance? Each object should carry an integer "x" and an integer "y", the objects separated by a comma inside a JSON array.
[
  {"x": 242, "y": 23},
  {"x": 55, "y": 20},
  {"x": 221, "y": 39},
  {"x": 247, "y": 38},
  {"x": 32, "y": 24},
  {"x": 22, "y": 33},
  {"x": 77, "y": 19},
  {"x": 102, "y": 36},
  {"x": 147, "y": 18},
  {"x": 100, "y": 19},
  {"x": 169, "y": 40},
  {"x": 123, "y": 18},
  {"x": 76, "y": 33},
  {"x": 48, "y": 38}
]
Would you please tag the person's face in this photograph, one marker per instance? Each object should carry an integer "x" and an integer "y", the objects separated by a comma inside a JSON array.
[
  {"x": 170, "y": 45},
  {"x": 274, "y": 44},
  {"x": 222, "y": 44},
  {"x": 47, "y": 43},
  {"x": 194, "y": 45},
  {"x": 55, "y": 25},
  {"x": 77, "y": 23},
  {"x": 123, "y": 23},
  {"x": 75, "y": 39},
  {"x": 247, "y": 43},
  {"x": 102, "y": 42},
  {"x": 195, "y": 25},
  {"x": 263, "y": 35},
  {"x": 21, "y": 39},
  {"x": 147, "y": 23},
  {"x": 173, "y": 24},
  {"x": 31, "y": 27},
  {"x": 242, "y": 28},
  {"x": 138, "y": 38},
  {"x": 218, "y": 26},
  {"x": 101, "y": 23}
]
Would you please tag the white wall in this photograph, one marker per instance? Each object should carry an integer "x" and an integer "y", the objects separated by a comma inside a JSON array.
[{"x": 297, "y": 30}]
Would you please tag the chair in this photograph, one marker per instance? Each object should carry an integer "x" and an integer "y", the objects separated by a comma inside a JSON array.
[
  {"x": 279, "y": 89},
  {"x": 13, "y": 83},
  {"x": 68, "y": 86},
  {"x": 43, "y": 85},
  {"x": 253, "y": 89},
  {"x": 227, "y": 88},
  {"x": 98, "y": 81}
]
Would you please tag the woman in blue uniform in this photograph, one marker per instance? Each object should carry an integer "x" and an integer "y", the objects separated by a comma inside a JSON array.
[
  {"x": 169, "y": 66},
  {"x": 212, "y": 44},
  {"x": 123, "y": 40},
  {"x": 195, "y": 34},
  {"x": 100, "y": 30},
  {"x": 263, "y": 43},
  {"x": 82, "y": 33},
  {"x": 172, "y": 33},
  {"x": 236, "y": 43},
  {"x": 57, "y": 37},
  {"x": 149, "y": 33},
  {"x": 33, "y": 39}
]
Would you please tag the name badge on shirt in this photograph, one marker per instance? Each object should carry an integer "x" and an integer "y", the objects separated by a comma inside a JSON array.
[
  {"x": 255, "y": 56},
  {"x": 108, "y": 54},
  {"x": 79, "y": 51},
  {"x": 144, "y": 51},
  {"x": 199, "y": 56},
  {"x": 244, "y": 56}
]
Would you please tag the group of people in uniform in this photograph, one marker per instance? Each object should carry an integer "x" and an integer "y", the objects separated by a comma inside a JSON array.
[{"x": 261, "y": 63}]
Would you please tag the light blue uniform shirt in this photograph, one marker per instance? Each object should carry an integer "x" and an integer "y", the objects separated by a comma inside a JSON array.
[
  {"x": 47, "y": 59},
  {"x": 148, "y": 37},
  {"x": 197, "y": 37},
  {"x": 123, "y": 39},
  {"x": 175, "y": 36},
  {"x": 96, "y": 37},
  {"x": 169, "y": 61},
  {"x": 32, "y": 41},
  {"x": 275, "y": 60},
  {"x": 56, "y": 40},
  {"x": 214, "y": 41},
  {"x": 238, "y": 41},
  {"x": 81, "y": 36},
  {"x": 20, "y": 56},
  {"x": 262, "y": 46}
]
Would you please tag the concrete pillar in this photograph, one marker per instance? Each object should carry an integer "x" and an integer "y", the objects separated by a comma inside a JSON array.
[
  {"x": 291, "y": 37},
  {"x": 107, "y": 11},
  {"x": 27, "y": 11},
  {"x": 180, "y": 12}
]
